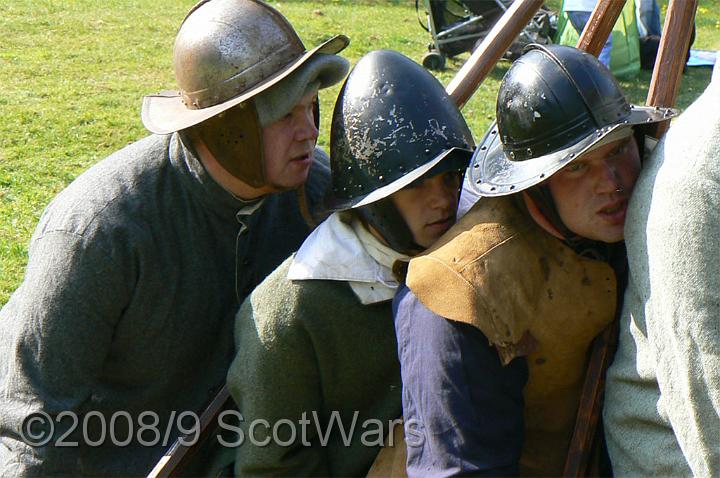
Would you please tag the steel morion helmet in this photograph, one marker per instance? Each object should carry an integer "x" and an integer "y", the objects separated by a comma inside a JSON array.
[
  {"x": 555, "y": 103},
  {"x": 393, "y": 124},
  {"x": 227, "y": 53}
]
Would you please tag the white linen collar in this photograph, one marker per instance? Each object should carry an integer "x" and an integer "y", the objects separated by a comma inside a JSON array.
[{"x": 342, "y": 251}]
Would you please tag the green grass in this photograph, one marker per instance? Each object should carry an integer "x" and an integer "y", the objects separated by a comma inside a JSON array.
[{"x": 72, "y": 74}]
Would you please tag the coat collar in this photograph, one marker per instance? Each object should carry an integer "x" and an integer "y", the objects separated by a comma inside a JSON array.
[{"x": 341, "y": 249}]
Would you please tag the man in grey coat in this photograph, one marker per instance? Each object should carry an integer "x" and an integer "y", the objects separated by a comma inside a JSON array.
[
  {"x": 662, "y": 412},
  {"x": 121, "y": 331}
]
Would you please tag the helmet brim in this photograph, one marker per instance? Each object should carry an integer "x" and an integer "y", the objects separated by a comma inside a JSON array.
[
  {"x": 453, "y": 159},
  {"x": 166, "y": 112},
  {"x": 493, "y": 173}
]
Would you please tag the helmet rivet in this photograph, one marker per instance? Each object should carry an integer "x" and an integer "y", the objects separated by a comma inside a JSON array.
[
  {"x": 427, "y": 151},
  {"x": 483, "y": 148},
  {"x": 381, "y": 178},
  {"x": 572, "y": 155},
  {"x": 493, "y": 188},
  {"x": 349, "y": 168},
  {"x": 649, "y": 120},
  {"x": 493, "y": 132},
  {"x": 512, "y": 187},
  {"x": 542, "y": 175},
  {"x": 476, "y": 165},
  {"x": 401, "y": 168},
  {"x": 479, "y": 181}
]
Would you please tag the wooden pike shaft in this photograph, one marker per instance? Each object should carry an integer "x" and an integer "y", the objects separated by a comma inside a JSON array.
[
  {"x": 671, "y": 56},
  {"x": 598, "y": 28},
  {"x": 171, "y": 465},
  {"x": 492, "y": 48}
]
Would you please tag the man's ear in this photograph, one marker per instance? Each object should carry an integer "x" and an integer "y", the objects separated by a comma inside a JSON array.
[{"x": 539, "y": 217}]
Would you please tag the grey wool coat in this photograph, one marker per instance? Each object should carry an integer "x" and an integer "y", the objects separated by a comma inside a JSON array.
[
  {"x": 662, "y": 407},
  {"x": 135, "y": 273}
]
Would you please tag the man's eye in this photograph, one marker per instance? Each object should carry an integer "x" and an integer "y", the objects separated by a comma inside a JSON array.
[{"x": 574, "y": 167}]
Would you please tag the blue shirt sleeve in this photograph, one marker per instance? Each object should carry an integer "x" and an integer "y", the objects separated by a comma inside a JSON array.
[{"x": 463, "y": 410}]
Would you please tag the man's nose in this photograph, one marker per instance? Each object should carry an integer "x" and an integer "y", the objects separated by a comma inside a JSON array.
[
  {"x": 306, "y": 128},
  {"x": 609, "y": 179},
  {"x": 441, "y": 194}
]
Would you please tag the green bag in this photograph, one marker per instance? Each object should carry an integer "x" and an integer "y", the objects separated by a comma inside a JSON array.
[{"x": 625, "y": 53}]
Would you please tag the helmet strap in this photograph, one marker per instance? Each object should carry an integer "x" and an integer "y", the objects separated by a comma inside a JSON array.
[{"x": 384, "y": 218}]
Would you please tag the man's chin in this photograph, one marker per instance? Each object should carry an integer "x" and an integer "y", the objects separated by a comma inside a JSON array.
[
  {"x": 609, "y": 237},
  {"x": 288, "y": 183}
]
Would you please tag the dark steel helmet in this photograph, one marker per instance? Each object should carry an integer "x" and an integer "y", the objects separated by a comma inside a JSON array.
[
  {"x": 393, "y": 124},
  {"x": 554, "y": 104},
  {"x": 228, "y": 53}
]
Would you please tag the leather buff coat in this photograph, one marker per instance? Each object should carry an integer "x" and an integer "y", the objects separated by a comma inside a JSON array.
[{"x": 531, "y": 296}]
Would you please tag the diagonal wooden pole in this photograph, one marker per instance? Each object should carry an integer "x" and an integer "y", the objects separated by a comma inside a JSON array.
[
  {"x": 672, "y": 53},
  {"x": 502, "y": 35},
  {"x": 177, "y": 457},
  {"x": 598, "y": 28},
  {"x": 491, "y": 49}
]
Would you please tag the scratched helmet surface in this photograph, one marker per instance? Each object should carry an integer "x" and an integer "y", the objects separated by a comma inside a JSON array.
[
  {"x": 393, "y": 124},
  {"x": 554, "y": 103}
]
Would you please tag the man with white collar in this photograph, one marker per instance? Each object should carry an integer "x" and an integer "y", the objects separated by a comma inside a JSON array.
[
  {"x": 662, "y": 408},
  {"x": 123, "y": 324},
  {"x": 315, "y": 340}
]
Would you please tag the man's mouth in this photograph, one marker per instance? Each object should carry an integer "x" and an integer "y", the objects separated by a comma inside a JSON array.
[
  {"x": 614, "y": 212},
  {"x": 441, "y": 225},
  {"x": 302, "y": 157}
]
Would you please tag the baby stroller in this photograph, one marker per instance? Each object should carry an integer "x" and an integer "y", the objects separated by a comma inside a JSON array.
[{"x": 457, "y": 26}]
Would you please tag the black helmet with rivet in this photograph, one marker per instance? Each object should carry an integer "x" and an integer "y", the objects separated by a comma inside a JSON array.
[
  {"x": 554, "y": 104},
  {"x": 393, "y": 124}
]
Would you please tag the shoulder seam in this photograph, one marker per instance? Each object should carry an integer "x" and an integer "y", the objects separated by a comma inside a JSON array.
[{"x": 491, "y": 249}]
